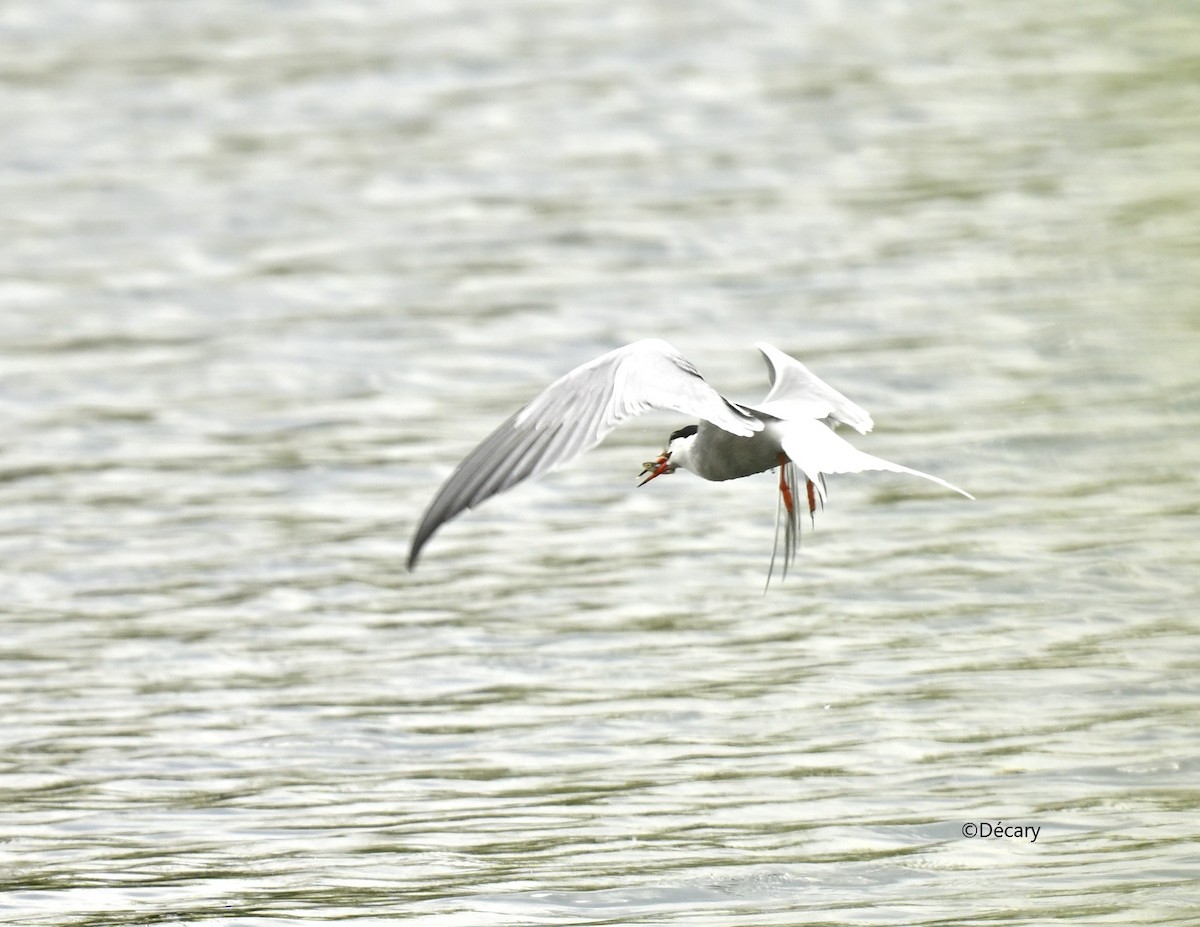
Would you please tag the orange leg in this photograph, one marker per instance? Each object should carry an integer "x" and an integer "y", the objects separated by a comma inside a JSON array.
[
  {"x": 788, "y": 501},
  {"x": 812, "y": 501}
]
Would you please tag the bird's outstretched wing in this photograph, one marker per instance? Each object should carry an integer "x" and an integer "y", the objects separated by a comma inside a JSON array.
[
  {"x": 813, "y": 451},
  {"x": 816, "y": 450},
  {"x": 574, "y": 414},
  {"x": 798, "y": 393}
]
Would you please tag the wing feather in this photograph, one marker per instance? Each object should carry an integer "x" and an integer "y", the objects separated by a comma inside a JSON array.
[
  {"x": 575, "y": 413},
  {"x": 797, "y": 392},
  {"x": 816, "y": 450}
]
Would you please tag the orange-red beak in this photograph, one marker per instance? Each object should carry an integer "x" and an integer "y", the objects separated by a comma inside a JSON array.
[{"x": 657, "y": 468}]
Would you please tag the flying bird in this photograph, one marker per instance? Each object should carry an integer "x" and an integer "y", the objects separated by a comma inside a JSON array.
[{"x": 792, "y": 429}]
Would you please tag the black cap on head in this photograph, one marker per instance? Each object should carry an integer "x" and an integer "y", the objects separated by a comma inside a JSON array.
[{"x": 685, "y": 432}]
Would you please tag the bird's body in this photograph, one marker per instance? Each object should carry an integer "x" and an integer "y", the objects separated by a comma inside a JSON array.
[
  {"x": 792, "y": 428},
  {"x": 716, "y": 455}
]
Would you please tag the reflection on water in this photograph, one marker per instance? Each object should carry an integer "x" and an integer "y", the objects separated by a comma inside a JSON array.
[{"x": 269, "y": 273}]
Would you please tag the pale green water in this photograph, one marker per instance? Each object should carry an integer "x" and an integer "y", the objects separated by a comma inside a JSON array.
[{"x": 269, "y": 270}]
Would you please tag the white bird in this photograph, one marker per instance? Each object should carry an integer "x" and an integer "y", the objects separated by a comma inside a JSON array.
[{"x": 792, "y": 429}]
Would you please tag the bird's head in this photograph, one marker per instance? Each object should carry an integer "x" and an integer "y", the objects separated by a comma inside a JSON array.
[{"x": 673, "y": 456}]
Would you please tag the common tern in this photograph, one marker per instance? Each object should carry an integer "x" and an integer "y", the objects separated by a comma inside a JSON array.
[{"x": 792, "y": 429}]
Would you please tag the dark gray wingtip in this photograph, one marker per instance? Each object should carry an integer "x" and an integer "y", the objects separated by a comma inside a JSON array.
[
  {"x": 425, "y": 530},
  {"x": 414, "y": 552}
]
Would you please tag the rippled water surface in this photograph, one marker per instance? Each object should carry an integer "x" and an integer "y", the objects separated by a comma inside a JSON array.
[{"x": 268, "y": 270}]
